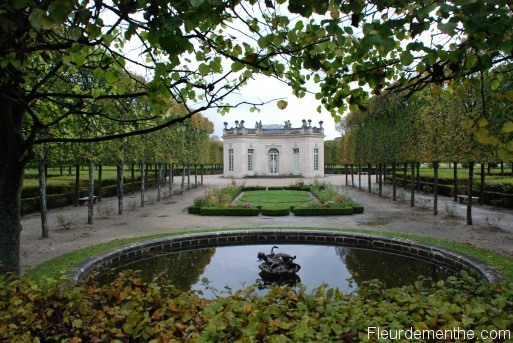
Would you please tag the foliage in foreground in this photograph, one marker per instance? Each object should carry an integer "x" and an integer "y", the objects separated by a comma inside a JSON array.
[{"x": 129, "y": 310}]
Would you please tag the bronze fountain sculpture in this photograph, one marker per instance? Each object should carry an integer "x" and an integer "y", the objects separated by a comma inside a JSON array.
[{"x": 278, "y": 268}]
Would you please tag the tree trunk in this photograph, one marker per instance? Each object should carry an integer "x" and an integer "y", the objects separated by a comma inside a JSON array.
[
  {"x": 352, "y": 176},
  {"x": 455, "y": 172},
  {"x": 77, "y": 184},
  {"x": 369, "y": 180},
  {"x": 132, "y": 179},
  {"x": 42, "y": 196},
  {"x": 502, "y": 168},
  {"x": 347, "y": 177},
  {"x": 90, "y": 203},
  {"x": 188, "y": 176},
  {"x": 171, "y": 180},
  {"x": 405, "y": 176},
  {"x": 143, "y": 182},
  {"x": 11, "y": 182},
  {"x": 201, "y": 171},
  {"x": 182, "y": 188},
  {"x": 394, "y": 183},
  {"x": 469, "y": 194},
  {"x": 121, "y": 178},
  {"x": 412, "y": 185},
  {"x": 482, "y": 188},
  {"x": 146, "y": 172},
  {"x": 418, "y": 176},
  {"x": 100, "y": 182},
  {"x": 359, "y": 177},
  {"x": 435, "y": 188},
  {"x": 159, "y": 182},
  {"x": 69, "y": 170},
  {"x": 61, "y": 170},
  {"x": 380, "y": 179},
  {"x": 489, "y": 168},
  {"x": 195, "y": 175}
]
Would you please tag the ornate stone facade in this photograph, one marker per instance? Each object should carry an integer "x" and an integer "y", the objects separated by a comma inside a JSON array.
[{"x": 273, "y": 150}]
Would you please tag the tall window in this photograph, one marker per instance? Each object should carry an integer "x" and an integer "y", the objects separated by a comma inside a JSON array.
[
  {"x": 274, "y": 162},
  {"x": 250, "y": 159},
  {"x": 316, "y": 158},
  {"x": 296, "y": 161},
  {"x": 230, "y": 159}
]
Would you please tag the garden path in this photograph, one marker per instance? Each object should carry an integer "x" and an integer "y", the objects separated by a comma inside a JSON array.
[{"x": 492, "y": 229}]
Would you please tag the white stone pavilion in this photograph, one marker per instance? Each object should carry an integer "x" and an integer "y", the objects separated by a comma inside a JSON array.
[{"x": 273, "y": 150}]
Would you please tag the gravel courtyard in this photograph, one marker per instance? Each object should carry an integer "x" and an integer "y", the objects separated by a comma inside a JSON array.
[{"x": 492, "y": 229}]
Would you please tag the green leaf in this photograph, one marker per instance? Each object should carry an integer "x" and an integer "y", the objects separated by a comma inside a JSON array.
[
  {"x": 282, "y": 104},
  {"x": 507, "y": 127},
  {"x": 75, "y": 33},
  {"x": 40, "y": 20},
  {"x": 236, "y": 66},
  {"x": 406, "y": 58},
  {"x": 204, "y": 69},
  {"x": 467, "y": 123},
  {"x": 196, "y": 3}
]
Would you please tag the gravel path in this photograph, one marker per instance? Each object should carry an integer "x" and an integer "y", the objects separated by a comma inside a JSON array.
[{"x": 492, "y": 229}]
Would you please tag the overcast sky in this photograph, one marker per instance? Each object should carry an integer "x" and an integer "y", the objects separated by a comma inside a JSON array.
[{"x": 263, "y": 89}]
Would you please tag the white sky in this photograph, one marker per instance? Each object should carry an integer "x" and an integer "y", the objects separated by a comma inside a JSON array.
[{"x": 263, "y": 89}]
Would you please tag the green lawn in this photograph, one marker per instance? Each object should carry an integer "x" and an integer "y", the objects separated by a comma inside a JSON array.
[{"x": 277, "y": 198}]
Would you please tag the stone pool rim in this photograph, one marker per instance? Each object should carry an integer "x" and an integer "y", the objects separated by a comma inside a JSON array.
[{"x": 187, "y": 241}]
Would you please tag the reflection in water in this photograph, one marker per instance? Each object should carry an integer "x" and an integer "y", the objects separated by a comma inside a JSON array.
[{"x": 237, "y": 266}]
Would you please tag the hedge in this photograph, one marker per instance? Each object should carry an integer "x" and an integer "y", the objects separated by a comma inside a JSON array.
[
  {"x": 492, "y": 197},
  {"x": 275, "y": 211},
  {"x": 194, "y": 209},
  {"x": 357, "y": 209},
  {"x": 212, "y": 211},
  {"x": 253, "y": 188},
  {"x": 33, "y": 204},
  {"x": 312, "y": 211}
]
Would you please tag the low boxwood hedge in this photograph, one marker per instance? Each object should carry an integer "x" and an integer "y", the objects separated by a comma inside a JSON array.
[
  {"x": 284, "y": 211},
  {"x": 194, "y": 209},
  {"x": 312, "y": 211},
  {"x": 357, "y": 209},
  {"x": 253, "y": 188},
  {"x": 212, "y": 211}
]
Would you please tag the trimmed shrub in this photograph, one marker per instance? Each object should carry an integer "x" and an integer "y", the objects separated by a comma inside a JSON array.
[
  {"x": 275, "y": 211},
  {"x": 194, "y": 209},
  {"x": 253, "y": 188},
  {"x": 213, "y": 211},
  {"x": 275, "y": 188},
  {"x": 312, "y": 211},
  {"x": 357, "y": 209}
]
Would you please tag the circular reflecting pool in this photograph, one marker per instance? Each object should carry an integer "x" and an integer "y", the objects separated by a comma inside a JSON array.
[{"x": 237, "y": 266}]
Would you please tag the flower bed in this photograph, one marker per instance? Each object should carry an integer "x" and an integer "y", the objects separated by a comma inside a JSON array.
[{"x": 275, "y": 201}]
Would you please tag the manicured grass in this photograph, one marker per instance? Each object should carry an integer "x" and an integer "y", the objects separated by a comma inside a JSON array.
[
  {"x": 58, "y": 265},
  {"x": 277, "y": 198}
]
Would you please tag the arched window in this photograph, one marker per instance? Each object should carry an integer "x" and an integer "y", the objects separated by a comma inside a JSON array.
[{"x": 274, "y": 161}]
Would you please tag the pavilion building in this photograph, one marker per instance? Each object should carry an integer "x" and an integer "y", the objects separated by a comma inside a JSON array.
[{"x": 273, "y": 150}]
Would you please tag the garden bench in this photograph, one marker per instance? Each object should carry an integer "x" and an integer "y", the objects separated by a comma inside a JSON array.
[
  {"x": 463, "y": 199},
  {"x": 84, "y": 200},
  {"x": 362, "y": 173}
]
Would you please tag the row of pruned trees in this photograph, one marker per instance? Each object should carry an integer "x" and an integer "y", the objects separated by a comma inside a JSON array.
[
  {"x": 182, "y": 144},
  {"x": 467, "y": 122}
]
